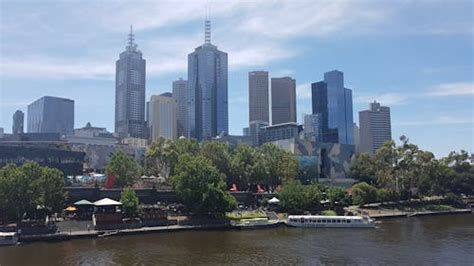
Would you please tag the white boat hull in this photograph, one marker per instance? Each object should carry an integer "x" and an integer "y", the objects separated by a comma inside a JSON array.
[{"x": 319, "y": 221}]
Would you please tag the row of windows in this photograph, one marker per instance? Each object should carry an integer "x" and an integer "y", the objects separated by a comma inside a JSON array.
[{"x": 322, "y": 221}]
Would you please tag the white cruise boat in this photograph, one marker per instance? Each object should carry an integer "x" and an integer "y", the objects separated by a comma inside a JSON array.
[
  {"x": 8, "y": 238},
  {"x": 330, "y": 221}
]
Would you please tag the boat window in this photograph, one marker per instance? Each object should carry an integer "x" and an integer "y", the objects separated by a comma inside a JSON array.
[
  {"x": 333, "y": 220},
  {"x": 338, "y": 221},
  {"x": 319, "y": 221},
  {"x": 302, "y": 220},
  {"x": 348, "y": 221}
]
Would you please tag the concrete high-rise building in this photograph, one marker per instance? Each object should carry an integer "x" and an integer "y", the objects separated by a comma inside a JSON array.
[
  {"x": 18, "y": 122},
  {"x": 258, "y": 96},
  {"x": 207, "y": 94},
  {"x": 375, "y": 128},
  {"x": 130, "y": 92},
  {"x": 356, "y": 138},
  {"x": 255, "y": 131},
  {"x": 283, "y": 104},
  {"x": 51, "y": 115},
  {"x": 162, "y": 116},
  {"x": 334, "y": 103},
  {"x": 312, "y": 126},
  {"x": 180, "y": 92}
]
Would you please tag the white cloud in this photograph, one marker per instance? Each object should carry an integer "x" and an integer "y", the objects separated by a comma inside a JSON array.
[
  {"x": 387, "y": 99},
  {"x": 303, "y": 91},
  {"x": 452, "y": 89},
  {"x": 254, "y": 33},
  {"x": 43, "y": 67},
  {"x": 439, "y": 120}
]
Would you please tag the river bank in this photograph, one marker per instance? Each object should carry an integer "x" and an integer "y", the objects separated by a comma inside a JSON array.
[{"x": 79, "y": 234}]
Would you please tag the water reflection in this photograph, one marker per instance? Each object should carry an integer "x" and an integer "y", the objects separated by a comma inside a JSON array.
[{"x": 417, "y": 240}]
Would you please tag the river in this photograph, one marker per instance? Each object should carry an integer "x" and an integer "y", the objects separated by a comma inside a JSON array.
[{"x": 430, "y": 240}]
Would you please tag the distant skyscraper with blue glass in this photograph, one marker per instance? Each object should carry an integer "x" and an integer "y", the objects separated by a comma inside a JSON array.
[
  {"x": 207, "y": 90},
  {"x": 130, "y": 92},
  {"x": 334, "y": 103}
]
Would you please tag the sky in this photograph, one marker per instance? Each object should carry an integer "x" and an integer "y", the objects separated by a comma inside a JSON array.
[{"x": 417, "y": 57}]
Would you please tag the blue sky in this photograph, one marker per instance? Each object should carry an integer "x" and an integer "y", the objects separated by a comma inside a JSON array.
[{"x": 415, "y": 56}]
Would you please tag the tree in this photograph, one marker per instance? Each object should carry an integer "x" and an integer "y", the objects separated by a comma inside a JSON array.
[
  {"x": 24, "y": 188},
  {"x": 293, "y": 198},
  {"x": 297, "y": 198},
  {"x": 218, "y": 154},
  {"x": 201, "y": 187},
  {"x": 363, "y": 169},
  {"x": 363, "y": 193},
  {"x": 50, "y": 187},
  {"x": 130, "y": 203},
  {"x": 386, "y": 195},
  {"x": 155, "y": 159},
  {"x": 124, "y": 168},
  {"x": 337, "y": 195},
  {"x": 244, "y": 166}
]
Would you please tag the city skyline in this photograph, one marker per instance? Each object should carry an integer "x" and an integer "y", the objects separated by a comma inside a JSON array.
[{"x": 441, "y": 83}]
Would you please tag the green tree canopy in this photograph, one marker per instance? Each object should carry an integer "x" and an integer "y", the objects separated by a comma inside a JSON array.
[
  {"x": 24, "y": 188},
  {"x": 201, "y": 187},
  {"x": 124, "y": 168},
  {"x": 130, "y": 203},
  {"x": 296, "y": 198},
  {"x": 363, "y": 193}
]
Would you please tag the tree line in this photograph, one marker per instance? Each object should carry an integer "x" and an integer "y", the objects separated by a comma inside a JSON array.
[{"x": 405, "y": 171}]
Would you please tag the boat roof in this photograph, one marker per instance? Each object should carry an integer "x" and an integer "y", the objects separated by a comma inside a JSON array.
[
  {"x": 7, "y": 233},
  {"x": 323, "y": 216}
]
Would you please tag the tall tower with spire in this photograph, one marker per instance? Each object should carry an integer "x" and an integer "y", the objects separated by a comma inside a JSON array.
[
  {"x": 130, "y": 79},
  {"x": 207, "y": 90}
]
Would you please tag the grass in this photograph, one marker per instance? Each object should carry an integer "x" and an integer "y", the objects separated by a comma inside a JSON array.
[
  {"x": 439, "y": 207},
  {"x": 246, "y": 215}
]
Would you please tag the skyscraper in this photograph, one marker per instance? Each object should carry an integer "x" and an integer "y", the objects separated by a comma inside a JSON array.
[
  {"x": 375, "y": 127},
  {"x": 18, "y": 121},
  {"x": 283, "y": 100},
  {"x": 207, "y": 93},
  {"x": 312, "y": 125},
  {"x": 162, "y": 116},
  {"x": 130, "y": 92},
  {"x": 258, "y": 96},
  {"x": 51, "y": 115},
  {"x": 334, "y": 103},
  {"x": 180, "y": 88}
]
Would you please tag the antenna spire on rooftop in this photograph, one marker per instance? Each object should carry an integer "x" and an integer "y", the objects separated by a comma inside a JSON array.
[
  {"x": 131, "y": 40},
  {"x": 207, "y": 26}
]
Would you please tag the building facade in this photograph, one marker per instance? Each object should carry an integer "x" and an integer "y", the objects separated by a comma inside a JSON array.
[
  {"x": 283, "y": 100},
  {"x": 258, "y": 96},
  {"x": 208, "y": 92},
  {"x": 180, "y": 91},
  {"x": 255, "y": 131},
  {"x": 279, "y": 132},
  {"x": 312, "y": 125},
  {"x": 51, "y": 115},
  {"x": 162, "y": 116},
  {"x": 130, "y": 92},
  {"x": 18, "y": 122},
  {"x": 334, "y": 103},
  {"x": 375, "y": 128}
]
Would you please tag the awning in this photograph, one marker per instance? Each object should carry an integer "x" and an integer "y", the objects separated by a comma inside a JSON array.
[
  {"x": 107, "y": 202},
  {"x": 273, "y": 200},
  {"x": 83, "y": 202}
]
